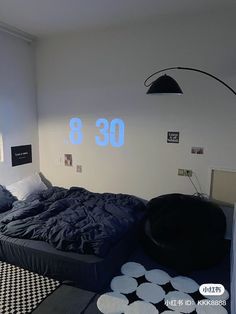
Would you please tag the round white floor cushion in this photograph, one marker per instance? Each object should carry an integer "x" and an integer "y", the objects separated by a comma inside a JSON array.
[
  {"x": 210, "y": 309},
  {"x": 140, "y": 307},
  {"x": 157, "y": 276},
  {"x": 224, "y": 296},
  {"x": 150, "y": 292},
  {"x": 124, "y": 284},
  {"x": 184, "y": 284},
  {"x": 188, "y": 306},
  {"x": 112, "y": 303},
  {"x": 133, "y": 269},
  {"x": 170, "y": 312}
]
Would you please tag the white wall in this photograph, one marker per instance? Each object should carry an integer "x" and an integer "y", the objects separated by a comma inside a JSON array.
[
  {"x": 100, "y": 74},
  {"x": 18, "y": 114}
]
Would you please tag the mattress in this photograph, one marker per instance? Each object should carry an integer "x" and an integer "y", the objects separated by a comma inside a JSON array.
[{"x": 88, "y": 272}]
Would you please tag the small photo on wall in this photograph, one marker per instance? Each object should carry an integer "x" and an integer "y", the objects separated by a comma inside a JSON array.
[
  {"x": 197, "y": 150},
  {"x": 68, "y": 161}
]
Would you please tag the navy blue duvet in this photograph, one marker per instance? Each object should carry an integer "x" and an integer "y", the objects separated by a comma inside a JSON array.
[{"x": 74, "y": 220}]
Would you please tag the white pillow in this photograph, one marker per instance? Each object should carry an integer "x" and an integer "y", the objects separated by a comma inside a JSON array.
[{"x": 25, "y": 187}]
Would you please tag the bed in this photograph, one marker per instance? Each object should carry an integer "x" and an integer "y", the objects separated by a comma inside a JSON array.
[{"x": 88, "y": 267}]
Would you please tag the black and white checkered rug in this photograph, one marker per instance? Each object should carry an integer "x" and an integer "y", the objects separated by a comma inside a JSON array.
[{"x": 21, "y": 291}]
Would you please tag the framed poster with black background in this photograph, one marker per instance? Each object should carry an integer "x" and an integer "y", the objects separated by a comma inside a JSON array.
[
  {"x": 172, "y": 137},
  {"x": 21, "y": 155}
]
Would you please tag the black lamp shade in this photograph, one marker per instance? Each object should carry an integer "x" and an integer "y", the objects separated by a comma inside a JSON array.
[{"x": 165, "y": 85}]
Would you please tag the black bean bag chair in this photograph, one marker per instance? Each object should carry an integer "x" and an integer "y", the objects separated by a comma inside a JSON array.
[{"x": 185, "y": 232}]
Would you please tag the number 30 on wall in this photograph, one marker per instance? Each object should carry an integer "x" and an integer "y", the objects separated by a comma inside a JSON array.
[{"x": 109, "y": 133}]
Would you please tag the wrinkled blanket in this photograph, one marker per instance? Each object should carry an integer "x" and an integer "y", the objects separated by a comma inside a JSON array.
[{"x": 74, "y": 219}]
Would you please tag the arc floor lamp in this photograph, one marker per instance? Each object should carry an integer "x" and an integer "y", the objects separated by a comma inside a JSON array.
[{"x": 165, "y": 84}]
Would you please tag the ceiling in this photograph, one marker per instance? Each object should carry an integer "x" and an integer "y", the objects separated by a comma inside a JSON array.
[{"x": 45, "y": 17}]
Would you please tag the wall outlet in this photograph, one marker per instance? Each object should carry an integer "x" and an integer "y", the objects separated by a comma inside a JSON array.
[
  {"x": 185, "y": 172},
  {"x": 79, "y": 168}
]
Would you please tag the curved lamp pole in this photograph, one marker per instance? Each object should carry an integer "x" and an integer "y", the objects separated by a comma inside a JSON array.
[{"x": 166, "y": 84}]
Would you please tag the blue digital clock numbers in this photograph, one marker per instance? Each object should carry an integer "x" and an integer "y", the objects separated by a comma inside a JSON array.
[
  {"x": 103, "y": 139},
  {"x": 76, "y": 135},
  {"x": 112, "y": 133}
]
